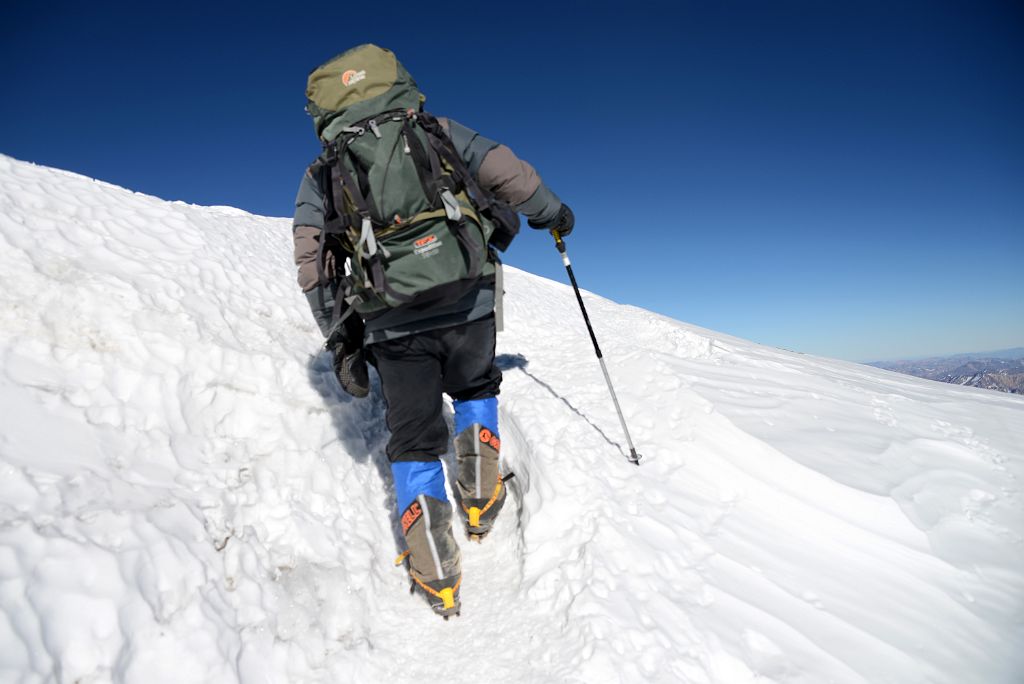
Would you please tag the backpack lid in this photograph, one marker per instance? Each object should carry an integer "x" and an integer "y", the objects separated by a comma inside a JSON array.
[{"x": 357, "y": 84}]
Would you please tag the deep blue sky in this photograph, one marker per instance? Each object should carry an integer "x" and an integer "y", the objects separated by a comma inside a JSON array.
[{"x": 844, "y": 179}]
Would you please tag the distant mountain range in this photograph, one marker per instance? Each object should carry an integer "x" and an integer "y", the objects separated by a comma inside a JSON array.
[{"x": 1000, "y": 370}]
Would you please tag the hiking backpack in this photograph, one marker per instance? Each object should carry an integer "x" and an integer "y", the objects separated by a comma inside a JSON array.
[{"x": 401, "y": 208}]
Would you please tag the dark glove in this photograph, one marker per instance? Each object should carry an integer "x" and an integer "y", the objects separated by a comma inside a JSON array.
[
  {"x": 563, "y": 222},
  {"x": 351, "y": 371}
]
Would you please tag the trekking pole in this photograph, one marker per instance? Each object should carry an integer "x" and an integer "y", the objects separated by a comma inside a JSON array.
[{"x": 633, "y": 457}]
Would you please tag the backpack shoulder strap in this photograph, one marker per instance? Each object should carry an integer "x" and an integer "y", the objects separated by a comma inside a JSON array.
[{"x": 442, "y": 144}]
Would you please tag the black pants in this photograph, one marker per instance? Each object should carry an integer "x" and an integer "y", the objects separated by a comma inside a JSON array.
[{"x": 416, "y": 369}]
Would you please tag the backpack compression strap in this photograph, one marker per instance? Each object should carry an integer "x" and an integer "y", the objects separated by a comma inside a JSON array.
[
  {"x": 441, "y": 187},
  {"x": 342, "y": 180}
]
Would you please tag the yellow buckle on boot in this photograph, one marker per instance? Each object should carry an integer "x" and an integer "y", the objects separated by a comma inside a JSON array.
[
  {"x": 447, "y": 597},
  {"x": 474, "y": 516}
]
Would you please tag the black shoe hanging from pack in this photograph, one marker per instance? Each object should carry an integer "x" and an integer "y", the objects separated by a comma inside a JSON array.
[{"x": 351, "y": 370}]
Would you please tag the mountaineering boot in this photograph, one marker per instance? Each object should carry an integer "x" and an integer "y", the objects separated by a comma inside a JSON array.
[
  {"x": 435, "y": 563},
  {"x": 479, "y": 478}
]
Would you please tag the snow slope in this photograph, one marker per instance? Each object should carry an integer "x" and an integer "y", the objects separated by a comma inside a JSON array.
[{"x": 187, "y": 496}]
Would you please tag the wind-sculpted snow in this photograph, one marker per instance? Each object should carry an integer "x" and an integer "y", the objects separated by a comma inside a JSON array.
[{"x": 187, "y": 496}]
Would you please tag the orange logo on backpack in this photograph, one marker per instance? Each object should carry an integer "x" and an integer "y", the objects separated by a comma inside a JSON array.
[
  {"x": 488, "y": 437},
  {"x": 351, "y": 77},
  {"x": 422, "y": 242},
  {"x": 411, "y": 515}
]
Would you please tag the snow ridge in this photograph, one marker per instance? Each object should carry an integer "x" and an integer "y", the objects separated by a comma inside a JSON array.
[{"x": 187, "y": 496}]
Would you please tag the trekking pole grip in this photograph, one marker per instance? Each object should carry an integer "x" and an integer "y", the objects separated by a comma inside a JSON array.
[{"x": 559, "y": 243}]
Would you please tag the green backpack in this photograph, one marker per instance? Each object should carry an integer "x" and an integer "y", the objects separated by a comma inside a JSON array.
[{"x": 399, "y": 203}]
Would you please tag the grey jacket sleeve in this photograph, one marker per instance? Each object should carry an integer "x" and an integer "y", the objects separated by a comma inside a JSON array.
[
  {"x": 309, "y": 204},
  {"x": 499, "y": 170},
  {"x": 306, "y": 228}
]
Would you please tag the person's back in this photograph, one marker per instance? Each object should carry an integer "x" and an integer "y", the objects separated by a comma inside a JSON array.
[{"x": 406, "y": 276}]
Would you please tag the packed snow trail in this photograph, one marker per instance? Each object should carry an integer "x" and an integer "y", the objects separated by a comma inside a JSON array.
[{"x": 186, "y": 495}]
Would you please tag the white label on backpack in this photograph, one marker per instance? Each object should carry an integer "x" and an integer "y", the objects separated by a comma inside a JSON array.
[
  {"x": 427, "y": 246},
  {"x": 351, "y": 77}
]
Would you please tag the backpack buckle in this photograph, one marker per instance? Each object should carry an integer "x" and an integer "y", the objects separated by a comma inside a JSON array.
[
  {"x": 451, "y": 206},
  {"x": 366, "y": 237}
]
